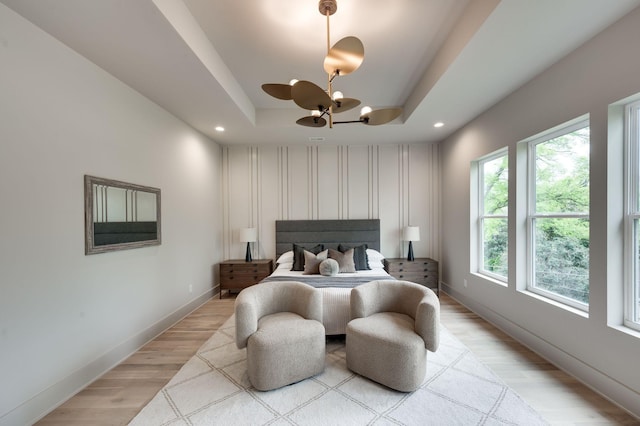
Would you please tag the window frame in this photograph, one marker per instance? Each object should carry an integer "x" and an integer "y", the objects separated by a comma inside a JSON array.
[
  {"x": 632, "y": 214},
  {"x": 502, "y": 152},
  {"x": 532, "y": 215}
]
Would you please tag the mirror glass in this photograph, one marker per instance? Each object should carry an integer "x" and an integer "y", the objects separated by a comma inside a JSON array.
[{"x": 120, "y": 215}]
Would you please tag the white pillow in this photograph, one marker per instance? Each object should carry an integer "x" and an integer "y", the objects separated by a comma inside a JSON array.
[
  {"x": 374, "y": 255},
  {"x": 286, "y": 257},
  {"x": 376, "y": 264},
  {"x": 286, "y": 266}
]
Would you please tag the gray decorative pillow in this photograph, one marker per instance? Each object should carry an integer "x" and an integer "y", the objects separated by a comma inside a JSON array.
[
  {"x": 359, "y": 256},
  {"x": 345, "y": 260},
  {"x": 329, "y": 267},
  {"x": 298, "y": 255},
  {"x": 312, "y": 262}
]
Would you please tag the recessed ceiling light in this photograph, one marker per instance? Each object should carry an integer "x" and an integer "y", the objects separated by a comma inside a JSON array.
[
  {"x": 219, "y": 129},
  {"x": 438, "y": 124}
]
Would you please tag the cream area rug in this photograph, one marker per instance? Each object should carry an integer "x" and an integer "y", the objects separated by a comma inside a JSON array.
[{"x": 212, "y": 389}]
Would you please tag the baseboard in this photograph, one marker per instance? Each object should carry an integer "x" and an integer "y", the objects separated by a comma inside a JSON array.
[
  {"x": 596, "y": 380},
  {"x": 46, "y": 401}
]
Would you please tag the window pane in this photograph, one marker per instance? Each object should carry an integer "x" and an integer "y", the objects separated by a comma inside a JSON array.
[
  {"x": 494, "y": 244},
  {"x": 496, "y": 179},
  {"x": 635, "y": 136},
  {"x": 635, "y": 291},
  {"x": 562, "y": 257},
  {"x": 562, "y": 174}
]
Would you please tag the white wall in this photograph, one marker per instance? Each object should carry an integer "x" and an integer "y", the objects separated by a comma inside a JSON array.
[
  {"x": 65, "y": 317},
  {"x": 397, "y": 184},
  {"x": 593, "y": 347}
]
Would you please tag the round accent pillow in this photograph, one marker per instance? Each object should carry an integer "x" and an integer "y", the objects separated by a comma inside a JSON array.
[{"x": 329, "y": 267}]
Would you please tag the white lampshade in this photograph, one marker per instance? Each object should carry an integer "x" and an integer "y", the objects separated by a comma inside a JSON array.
[
  {"x": 411, "y": 233},
  {"x": 248, "y": 235}
]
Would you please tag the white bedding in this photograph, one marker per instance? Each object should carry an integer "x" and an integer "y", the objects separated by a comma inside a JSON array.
[{"x": 335, "y": 301}]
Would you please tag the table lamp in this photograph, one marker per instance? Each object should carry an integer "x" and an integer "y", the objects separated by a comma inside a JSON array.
[
  {"x": 248, "y": 235},
  {"x": 411, "y": 233}
]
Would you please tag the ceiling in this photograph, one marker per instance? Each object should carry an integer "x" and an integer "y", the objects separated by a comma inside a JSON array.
[{"x": 205, "y": 60}]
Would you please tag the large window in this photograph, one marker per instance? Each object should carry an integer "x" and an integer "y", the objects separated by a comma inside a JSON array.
[
  {"x": 493, "y": 200},
  {"x": 632, "y": 225},
  {"x": 558, "y": 215}
]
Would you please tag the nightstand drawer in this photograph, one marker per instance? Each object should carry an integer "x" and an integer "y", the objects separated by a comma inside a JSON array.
[
  {"x": 417, "y": 277},
  {"x": 238, "y": 276},
  {"x": 415, "y": 266}
]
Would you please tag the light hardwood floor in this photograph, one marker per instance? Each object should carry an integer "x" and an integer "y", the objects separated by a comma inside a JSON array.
[{"x": 116, "y": 397}]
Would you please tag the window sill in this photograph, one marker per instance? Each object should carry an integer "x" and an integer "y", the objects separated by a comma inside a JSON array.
[{"x": 626, "y": 330}]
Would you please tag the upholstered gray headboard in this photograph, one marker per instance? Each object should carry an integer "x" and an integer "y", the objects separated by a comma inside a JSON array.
[{"x": 331, "y": 233}]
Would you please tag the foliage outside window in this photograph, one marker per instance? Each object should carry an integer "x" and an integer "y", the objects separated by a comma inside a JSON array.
[
  {"x": 632, "y": 225},
  {"x": 558, "y": 220},
  {"x": 493, "y": 208}
]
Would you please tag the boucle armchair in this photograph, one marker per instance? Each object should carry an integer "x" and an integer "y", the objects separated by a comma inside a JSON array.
[
  {"x": 393, "y": 325},
  {"x": 280, "y": 324}
]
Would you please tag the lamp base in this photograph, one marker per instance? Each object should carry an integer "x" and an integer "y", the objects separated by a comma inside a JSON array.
[
  {"x": 247, "y": 257},
  {"x": 410, "y": 254}
]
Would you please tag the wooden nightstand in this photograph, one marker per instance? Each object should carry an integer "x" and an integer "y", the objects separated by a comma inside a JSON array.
[
  {"x": 422, "y": 270},
  {"x": 238, "y": 274}
]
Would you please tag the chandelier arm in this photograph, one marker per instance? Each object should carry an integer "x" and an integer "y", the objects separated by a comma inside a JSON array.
[
  {"x": 362, "y": 120},
  {"x": 330, "y": 109}
]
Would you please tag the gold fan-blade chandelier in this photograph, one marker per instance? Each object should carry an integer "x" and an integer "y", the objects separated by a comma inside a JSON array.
[{"x": 343, "y": 58}]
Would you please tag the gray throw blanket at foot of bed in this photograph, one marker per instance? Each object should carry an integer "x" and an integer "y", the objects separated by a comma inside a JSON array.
[{"x": 318, "y": 281}]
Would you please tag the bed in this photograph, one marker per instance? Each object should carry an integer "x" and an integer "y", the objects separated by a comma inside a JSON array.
[{"x": 361, "y": 234}]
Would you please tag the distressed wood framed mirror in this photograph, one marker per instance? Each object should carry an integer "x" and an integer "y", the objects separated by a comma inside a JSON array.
[{"x": 120, "y": 215}]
